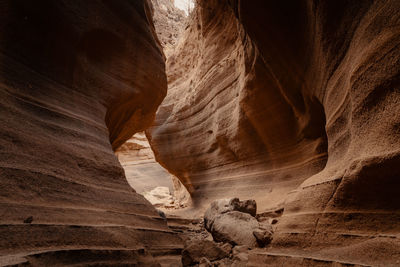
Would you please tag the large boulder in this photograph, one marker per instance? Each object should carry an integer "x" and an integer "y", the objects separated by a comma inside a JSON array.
[
  {"x": 236, "y": 228},
  {"x": 233, "y": 221},
  {"x": 222, "y": 206}
]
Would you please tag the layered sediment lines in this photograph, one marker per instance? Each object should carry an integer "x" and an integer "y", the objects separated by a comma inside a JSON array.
[
  {"x": 295, "y": 105},
  {"x": 135, "y": 155},
  {"x": 77, "y": 79},
  {"x": 226, "y": 128}
]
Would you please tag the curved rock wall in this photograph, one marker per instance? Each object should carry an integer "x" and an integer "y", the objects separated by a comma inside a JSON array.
[
  {"x": 77, "y": 79},
  {"x": 353, "y": 69},
  {"x": 268, "y": 97},
  {"x": 211, "y": 130},
  {"x": 136, "y": 157}
]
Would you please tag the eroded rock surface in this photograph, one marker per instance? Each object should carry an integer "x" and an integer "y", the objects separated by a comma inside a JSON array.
[
  {"x": 169, "y": 22},
  {"x": 195, "y": 252},
  {"x": 77, "y": 79},
  {"x": 159, "y": 197},
  {"x": 144, "y": 174},
  {"x": 233, "y": 221},
  {"x": 212, "y": 130},
  {"x": 222, "y": 206},
  {"x": 297, "y": 106},
  {"x": 235, "y": 227}
]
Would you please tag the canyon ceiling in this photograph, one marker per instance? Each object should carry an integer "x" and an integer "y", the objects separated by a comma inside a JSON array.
[{"x": 295, "y": 104}]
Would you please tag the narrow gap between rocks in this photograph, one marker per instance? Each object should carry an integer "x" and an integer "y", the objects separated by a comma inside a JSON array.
[
  {"x": 144, "y": 174},
  {"x": 230, "y": 228}
]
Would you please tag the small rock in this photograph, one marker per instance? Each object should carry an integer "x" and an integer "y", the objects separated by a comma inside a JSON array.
[
  {"x": 241, "y": 257},
  {"x": 159, "y": 197},
  {"x": 204, "y": 262},
  {"x": 240, "y": 249},
  {"x": 29, "y": 219},
  {"x": 227, "y": 248},
  {"x": 247, "y": 206},
  {"x": 263, "y": 237},
  {"x": 195, "y": 250},
  {"x": 273, "y": 221},
  {"x": 162, "y": 214},
  {"x": 223, "y": 263},
  {"x": 239, "y": 263}
]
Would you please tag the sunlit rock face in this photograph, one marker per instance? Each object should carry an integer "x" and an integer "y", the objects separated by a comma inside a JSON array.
[
  {"x": 225, "y": 129},
  {"x": 294, "y": 105},
  {"x": 77, "y": 79},
  {"x": 136, "y": 157},
  {"x": 169, "y": 22}
]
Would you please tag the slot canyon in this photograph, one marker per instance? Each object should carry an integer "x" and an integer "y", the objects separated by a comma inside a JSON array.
[{"x": 272, "y": 128}]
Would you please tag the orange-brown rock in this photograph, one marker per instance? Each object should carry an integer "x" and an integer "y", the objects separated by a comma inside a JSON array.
[
  {"x": 77, "y": 79},
  {"x": 169, "y": 22},
  {"x": 295, "y": 105},
  {"x": 135, "y": 155},
  {"x": 211, "y": 130}
]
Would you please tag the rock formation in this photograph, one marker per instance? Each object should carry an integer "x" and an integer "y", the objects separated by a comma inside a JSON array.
[
  {"x": 77, "y": 79},
  {"x": 212, "y": 130},
  {"x": 147, "y": 177},
  {"x": 142, "y": 171},
  {"x": 169, "y": 22},
  {"x": 233, "y": 221},
  {"x": 297, "y": 106}
]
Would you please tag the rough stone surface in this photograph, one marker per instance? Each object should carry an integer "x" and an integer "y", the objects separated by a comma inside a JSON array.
[
  {"x": 263, "y": 237},
  {"x": 169, "y": 22},
  {"x": 159, "y": 197},
  {"x": 195, "y": 251},
  {"x": 295, "y": 105},
  {"x": 135, "y": 155},
  {"x": 212, "y": 131},
  {"x": 204, "y": 262},
  {"x": 247, "y": 206},
  {"x": 222, "y": 206},
  {"x": 77, "y": 79},
  {"x": 236, "y": 228}
]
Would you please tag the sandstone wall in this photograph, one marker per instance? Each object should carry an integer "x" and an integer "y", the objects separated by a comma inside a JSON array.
[
  {"x": 169, "y": 22},
  {"x": 211, "y": 130},
  {"x": 77, "y": 79},
  {"x": 295, "y": 105},
  {"x": 135, "y": 155}
]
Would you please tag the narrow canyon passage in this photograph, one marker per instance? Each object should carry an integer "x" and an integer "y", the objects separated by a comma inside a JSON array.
[{"x": 280, "y": 120}]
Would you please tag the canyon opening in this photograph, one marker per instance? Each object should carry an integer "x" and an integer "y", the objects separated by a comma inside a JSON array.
[{"x": 200, "y": 133}]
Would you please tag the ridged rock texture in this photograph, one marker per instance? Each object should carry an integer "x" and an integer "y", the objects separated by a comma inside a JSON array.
[
  {"x": 296, "y": 105},
  {"x": 77, "y": 78},
  {"x": 135, "y": 155}
]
